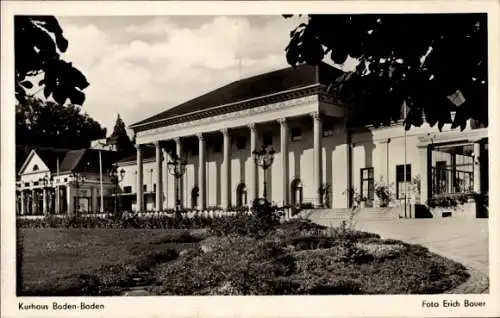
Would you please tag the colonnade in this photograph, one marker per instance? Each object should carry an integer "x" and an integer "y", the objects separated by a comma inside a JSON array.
[{"x": 225, "y": 184}]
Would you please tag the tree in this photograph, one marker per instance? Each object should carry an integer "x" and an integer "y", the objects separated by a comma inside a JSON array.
[
  {"x": 38, "y": 45},
  {"x": 435, "y": 63},
  {"x": 120, "y": 138},
  {"x": 47, "y": 124}
]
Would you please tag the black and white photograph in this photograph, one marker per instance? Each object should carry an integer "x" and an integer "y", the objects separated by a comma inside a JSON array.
[{"x": 249, "y": 154}]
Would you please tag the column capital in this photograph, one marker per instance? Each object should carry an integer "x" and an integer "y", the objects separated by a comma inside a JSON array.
[
  {"x": 177, "y": 139},
  {"x": 225, "y": 131},
  {"x": 200, "y": 136},
  {"x": 252, "y": 126},
  {"x": 157, "y": 143},
  {"x": 283, "y": 122},
  {"x": 315, "y": 115},
  {"x": 138, "y": 146}
]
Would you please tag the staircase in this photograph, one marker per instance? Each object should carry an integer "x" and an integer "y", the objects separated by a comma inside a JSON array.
[{"x": 336, "y": 215}]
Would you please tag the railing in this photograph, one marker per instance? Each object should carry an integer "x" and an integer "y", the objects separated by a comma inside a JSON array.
[{"x": 287, "y": 214}]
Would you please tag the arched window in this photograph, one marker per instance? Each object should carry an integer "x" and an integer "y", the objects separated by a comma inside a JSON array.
[
  {"x": 195, "y": 194},
  {"x": 297, "y": 196},
  {"x": 241, "y": 195}
]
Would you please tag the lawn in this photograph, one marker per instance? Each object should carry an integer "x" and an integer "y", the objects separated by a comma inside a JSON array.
[
  {"x": 233, "y": 257},
  {"x": 53, "y": 261}
]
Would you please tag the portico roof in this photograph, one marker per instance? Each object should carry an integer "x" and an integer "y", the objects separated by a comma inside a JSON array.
[{"x": 243, "y": 94}]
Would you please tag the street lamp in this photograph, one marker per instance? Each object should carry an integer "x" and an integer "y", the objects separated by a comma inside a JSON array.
[
  {"x": 264, "y": 158},
  {"x": 78, "y": 180},
  {"x": 116, "y": 178},
  {"x": 177, "y": 168}
]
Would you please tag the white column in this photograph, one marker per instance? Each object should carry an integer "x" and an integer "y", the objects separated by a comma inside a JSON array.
[
  {"x": 179, "y": 183},
  {"x": 165, "y": 177},
  {"x": 57, "y": 196},
  {"x": 44, "y": 202},
  {"x": 34, "y": 202},
  {"x": 69, "y": 200},
  {"x": 95, "y": 201},
  {"x": 477, "y": 167},
  {"x": 226, "y": 166},
  {"x": 201, "y": 172},
  {"x": 140, "y": 177},
  {"x": 424, "y": 154},
  {"x": 284, "y": 156},
  {"x": 159, "y": 178},
  {"x": 22, "y": 203},
  {"x": 254, "y": 183},
  {"x": 317, "y": 126}
]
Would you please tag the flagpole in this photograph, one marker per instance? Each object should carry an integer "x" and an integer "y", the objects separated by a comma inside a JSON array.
[{"x": 404, "y": 166}]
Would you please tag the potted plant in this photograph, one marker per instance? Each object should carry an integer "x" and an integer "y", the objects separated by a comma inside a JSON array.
[{"x": 384, "y": 194}]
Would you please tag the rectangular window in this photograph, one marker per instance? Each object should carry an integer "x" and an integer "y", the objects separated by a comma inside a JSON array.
[
  {"x": 267, "y": 138},
  {"x": 35, "y": 183},
  {"x": 296, "y": 134},
  {"x": 241, "y": 142},
  {"x": 367, "y": 183},
  {"x": 127, "y": 189},
  {"x": 154, "y": 187},
  {"x": 194, "y": 150},
  {"x": 218, "y": 146},
  {"x": 401, "y": 179},
  {"x": 441, "y": 177},
  {"x": 26, "y": 184},
  {"x": 327, "y": 129},
  {"x": 145, "y": 188}
]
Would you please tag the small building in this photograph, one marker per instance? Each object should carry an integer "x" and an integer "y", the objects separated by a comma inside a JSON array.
[{"x": 61, "y": 181}]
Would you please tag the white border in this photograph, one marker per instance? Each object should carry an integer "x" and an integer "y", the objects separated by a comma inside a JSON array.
[{"x": 294, "y": 306}]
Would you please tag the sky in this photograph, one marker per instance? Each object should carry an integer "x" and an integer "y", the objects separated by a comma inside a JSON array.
[{"x": 138, "y": 66}]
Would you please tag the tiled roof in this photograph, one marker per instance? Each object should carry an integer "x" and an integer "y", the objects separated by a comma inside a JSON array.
[
  {"x": 257, "y": 86},
  {"x": 88, "y": 160},
  {"x": 80, "y": 160},
  {"x": 47, "y": 154}
]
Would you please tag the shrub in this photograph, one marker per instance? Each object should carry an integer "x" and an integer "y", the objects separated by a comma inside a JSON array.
[
  {"x": 383, "y": 192},
  {"x": 263, "y": 219},
  {"x": 240, "y": 266},
  {"x": 131, "y": 221}
]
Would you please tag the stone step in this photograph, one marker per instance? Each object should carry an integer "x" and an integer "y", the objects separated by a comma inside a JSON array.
[{"x": 362, "y": 213}]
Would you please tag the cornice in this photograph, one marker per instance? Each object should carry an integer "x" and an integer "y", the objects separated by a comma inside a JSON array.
[
  {"x": 305, "y": 97},
  {"x": 235, "y": 107}
]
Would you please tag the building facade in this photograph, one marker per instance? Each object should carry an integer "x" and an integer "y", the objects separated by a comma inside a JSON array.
[
  {"x": 65, "y": 182},
  {"x": 318, "y": 155}
]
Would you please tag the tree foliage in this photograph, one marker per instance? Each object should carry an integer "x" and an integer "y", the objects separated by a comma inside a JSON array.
[
  {"x": 47, "y": 124},
  {"x": 38, "y": 44},
  {"x": 435, "y": 63},
  {"x": 121, "y": 138}
]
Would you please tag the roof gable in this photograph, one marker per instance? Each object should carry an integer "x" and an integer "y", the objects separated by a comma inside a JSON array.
[
  {"x": 33, "y": 164},
  {"x": 262, "y": 85}
]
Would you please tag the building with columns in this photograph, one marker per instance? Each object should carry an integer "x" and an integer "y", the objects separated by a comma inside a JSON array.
[
  {"x": 318, "y": 154},
  {"x": 65, "y": 182}
]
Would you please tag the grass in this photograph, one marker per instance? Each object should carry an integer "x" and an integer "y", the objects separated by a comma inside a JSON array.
[
  {"x": 57, "y": 261},
  {"x": 296, "y": 258}
]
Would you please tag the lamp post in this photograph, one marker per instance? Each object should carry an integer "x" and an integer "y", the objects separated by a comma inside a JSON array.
[
  {"x": 116, "y": 178},
  {"x": 264, "y": 158},
  {"x": 177, "y": 168},
  {"x": 78, "y": 180}
]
